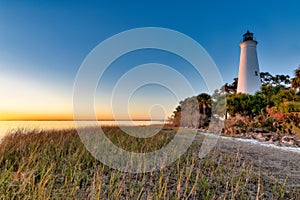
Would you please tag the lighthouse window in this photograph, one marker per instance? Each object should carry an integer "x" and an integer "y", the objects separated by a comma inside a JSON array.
[{"x": 256, "y": 73}]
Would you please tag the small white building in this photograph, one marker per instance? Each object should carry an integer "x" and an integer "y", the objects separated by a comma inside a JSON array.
[{"x": 249, "y": 80}]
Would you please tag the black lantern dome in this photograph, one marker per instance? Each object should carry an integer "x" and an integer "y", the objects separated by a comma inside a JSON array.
[{"x": 247, "y": 36}]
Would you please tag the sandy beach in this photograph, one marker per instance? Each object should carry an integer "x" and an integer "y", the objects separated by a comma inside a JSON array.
[{"x": 275, "y": 163}]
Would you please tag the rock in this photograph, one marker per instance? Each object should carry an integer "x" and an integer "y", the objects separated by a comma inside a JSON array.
[
  {"x": 262, "y": 139},
  {"x": 274, "y": 137},
  {"x": 237, "y": 132},
  {"x": 259, "y": 136},
  {"x": 250, "y": 129},
  {"x": 288, "y": 140},
  {"x": 248, "y": 135},
  {"x": 291, "y": 142},
  {"x": 222, "y": 130},
  {"x": 277, "y": 143},
  {"x": 297, "y": 143},
  {"x": 260, "y": 130},
  {"x": 268, "y": 136}
]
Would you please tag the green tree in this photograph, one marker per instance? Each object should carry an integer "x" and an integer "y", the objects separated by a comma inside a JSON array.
[
  {"x": 218, "y": 100},
  {"x": 259, "y": 103},
  {"x": 204, "y": 101},
  {"x": 269, "y": 91},
  {"x": 245, "y": 104},
  {"x": 176, "y": 117},
  {"x": 187, "y": 113},
  {"x": 269, "y": 79},
  {"x": 230, "y": 88},
  {"x": 236, "y": 104},
  {"x": 266, "y": 78},
  {"x": 283, "y": 99},
  {"x": 193, "y": 111}
]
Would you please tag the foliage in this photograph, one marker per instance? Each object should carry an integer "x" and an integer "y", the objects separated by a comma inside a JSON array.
[
  {"x": 283, "y": 98},
  {"x": 276, "y": 99},
  {"x": 230, "y": 88},
  {"x": 274, "y": 93},
  {"x": 268, "y": 79},
  {"x": 219, "y": 104},
  {"x": 269, "y": 91},
  {"x": 193, "y": 112},
  {"x": 245, "y": 104}
]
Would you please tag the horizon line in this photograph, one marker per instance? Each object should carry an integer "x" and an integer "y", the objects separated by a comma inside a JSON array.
[{"x": 84, "y": 120}]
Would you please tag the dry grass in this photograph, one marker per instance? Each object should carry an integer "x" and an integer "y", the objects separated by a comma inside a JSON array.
[{"x": 55, "y": 165}]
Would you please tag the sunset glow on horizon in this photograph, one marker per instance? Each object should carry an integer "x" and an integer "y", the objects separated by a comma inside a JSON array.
[
  {"x": 43, "y": 45},
  {"x": 27, "y": 101}
]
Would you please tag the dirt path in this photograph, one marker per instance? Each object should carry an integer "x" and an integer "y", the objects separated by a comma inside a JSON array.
[{"x": 274, "y": 163}]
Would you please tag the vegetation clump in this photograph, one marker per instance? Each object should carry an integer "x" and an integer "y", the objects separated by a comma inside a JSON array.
[{"x": 275, "y": 108}]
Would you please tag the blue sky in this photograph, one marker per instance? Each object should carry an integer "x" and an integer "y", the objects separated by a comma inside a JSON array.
[{"x": 43, "y": 43}]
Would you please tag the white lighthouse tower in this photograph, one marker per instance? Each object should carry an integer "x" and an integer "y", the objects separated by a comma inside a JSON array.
[{"x": 249, "y": 76}]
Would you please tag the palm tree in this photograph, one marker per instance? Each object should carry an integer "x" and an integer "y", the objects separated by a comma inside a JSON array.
[
  {"x": 204, "y": 101},
  {"x": 296, "y": 79}
]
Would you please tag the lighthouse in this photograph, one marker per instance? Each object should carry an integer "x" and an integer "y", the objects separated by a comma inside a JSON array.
[{"x": 249, "y": 76}]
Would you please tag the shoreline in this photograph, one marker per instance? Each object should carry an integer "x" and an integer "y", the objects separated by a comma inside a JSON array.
[
  {"x": 258, "y": 136},
  {"x": 283, "y": 161},
  {"x": 283, "y": 147}
]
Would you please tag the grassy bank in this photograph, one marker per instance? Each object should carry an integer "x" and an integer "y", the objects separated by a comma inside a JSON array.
[{"x": 55, "y": 165}]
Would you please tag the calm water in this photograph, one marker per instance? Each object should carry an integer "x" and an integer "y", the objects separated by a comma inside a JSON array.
[{"x": 10, "y": 126}]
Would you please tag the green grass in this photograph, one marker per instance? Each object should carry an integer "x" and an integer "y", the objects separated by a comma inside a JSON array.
[{"x": 55, "y": 165}]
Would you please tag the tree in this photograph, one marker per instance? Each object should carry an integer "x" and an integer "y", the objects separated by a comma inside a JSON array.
[
  {"x": 204, "y": 102},
  {"x": 218, "y": 100},
  {"x": 296, "y": 79},
  {"x": 281, "y": 80},
  {"x": 269, "y": 79},
  {"x": 275, "y": 94},
  {"x": 230, "y": 88},
  {"x": 190, "y": 112},
  {"x": 187, "y": 113},
  {"x": 269, "y": 91},
  {"x": 193, "y": 111},
  {"x": 176, "y": 117},
  {"x": 258, "y": 103},
  {"x": 283, "y": 98},
  {"x": 238, "y": 104},
  {"x": 266, "y": 78},
  {"x": 245, "y": 104}
]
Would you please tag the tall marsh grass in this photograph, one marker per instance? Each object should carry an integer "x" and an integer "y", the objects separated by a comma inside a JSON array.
[{"x": 56, "y": 165}]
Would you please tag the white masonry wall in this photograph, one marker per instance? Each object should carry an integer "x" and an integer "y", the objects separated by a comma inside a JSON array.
[{"x": 249, "y": 79}]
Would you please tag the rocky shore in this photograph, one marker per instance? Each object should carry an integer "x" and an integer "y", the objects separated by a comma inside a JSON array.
[
  {"x": 263, "y": 135},
  {"x": 240, "y": 127}
]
